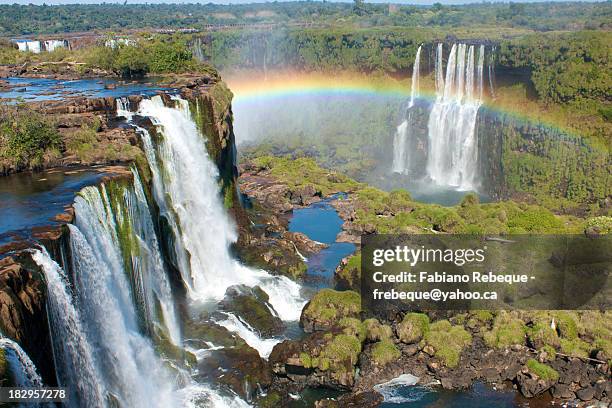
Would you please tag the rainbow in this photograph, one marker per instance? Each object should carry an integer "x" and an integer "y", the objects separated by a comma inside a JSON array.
[
  {"x": 255, "y": 86},
  {"x": 286, "y": 84}
]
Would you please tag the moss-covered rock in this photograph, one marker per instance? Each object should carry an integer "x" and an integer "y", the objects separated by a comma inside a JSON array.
[
  {"x": 321, "y": 359},
  {"x": 413, "y": 327},
  {"x": 448, "y": 341},
  {"x": 328, "y": 307},
  {"x": 543, "y": 371},
  {"x": 239, "y": 368},
  {"x": 385, "y": 352},
  {"x": 348, "y": 273},
  {"x": 376, "y": 331},
  {"x": 507, "y": 330},
  {"x": 252, "y": 305},
  {"x": 353, "y": 326}
]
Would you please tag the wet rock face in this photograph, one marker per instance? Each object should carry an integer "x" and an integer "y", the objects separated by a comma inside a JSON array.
[
  {"x": 252, "y": 305},
  {"x": 23, "y": 315},
  {"x": 229, "y": 360}
]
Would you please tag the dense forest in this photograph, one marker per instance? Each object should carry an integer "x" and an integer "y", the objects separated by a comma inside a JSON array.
[{"x": 32, "y": 19}]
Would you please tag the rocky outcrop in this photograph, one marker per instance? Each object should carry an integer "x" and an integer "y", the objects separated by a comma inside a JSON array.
[
  {"x": 252, "y": 305},
  {"x": 23, "y": 316},
  {"x": 327, "y": 308}
]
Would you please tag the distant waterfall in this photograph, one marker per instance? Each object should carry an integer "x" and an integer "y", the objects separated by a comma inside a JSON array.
[
  {"x": 186, "y": 190},
  {"x": 400, "y": 140},
  {"x": 73, "y": 354},
  {"x": 52, "y": 45},
  {"x": 453, "y": 151},
  {"x": 29, "y": 46},
  {"x": 23, "y": 371}
]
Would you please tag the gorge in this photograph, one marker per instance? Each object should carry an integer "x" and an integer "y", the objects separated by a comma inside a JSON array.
[{"x": 171, "y": 278}]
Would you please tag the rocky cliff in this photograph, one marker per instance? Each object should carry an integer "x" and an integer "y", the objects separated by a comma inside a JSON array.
[{"x": 23, "y": 315}]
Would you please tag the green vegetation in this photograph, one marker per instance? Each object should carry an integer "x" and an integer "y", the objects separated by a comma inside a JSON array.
[
  {"x": 507, "y": 330},
  {"x": 413, "y": 328},
  {"x": 447, "y": 341},
  {"x": 152, "y": 54},
  {"x": 385, "y": 352},
  {"x": 376, "y": 331},
  {"x": 395, "y": 212},
  {"x": 349, "y": 275},
  {"x": 354, "y": 327},
  {"x": 27, "y": 19},
  {"x": 301, "y": 172},
  {"x": 602, "y": 225},
  {"x": 328, "y": 307},
  {"x": 542, "y": 370},
  {"x": 28, "y": 140}
]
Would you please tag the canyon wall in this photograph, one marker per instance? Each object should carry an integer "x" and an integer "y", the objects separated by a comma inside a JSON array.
[{"x": 23, "y": 296}]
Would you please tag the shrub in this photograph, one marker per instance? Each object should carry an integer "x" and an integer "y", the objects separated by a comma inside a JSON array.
[
  {"x": 506, "y": 331},
  {"x": 27, "y": 138}
]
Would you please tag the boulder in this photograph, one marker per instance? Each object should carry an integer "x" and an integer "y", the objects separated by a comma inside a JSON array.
[
  {"x": 326, "y": 308},
  {"x": 252, "y": 305}
]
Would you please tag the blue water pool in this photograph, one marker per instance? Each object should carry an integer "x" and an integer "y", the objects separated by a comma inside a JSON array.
[
  {"x": 42, "y": 89},
  {"x": 320, "y": 222}
]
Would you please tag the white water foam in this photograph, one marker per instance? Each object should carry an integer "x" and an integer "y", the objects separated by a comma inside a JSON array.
[{"x": 247, "y": 333}]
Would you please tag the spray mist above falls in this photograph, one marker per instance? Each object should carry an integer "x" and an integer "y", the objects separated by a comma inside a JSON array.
[{"x": 450, "y": 149}]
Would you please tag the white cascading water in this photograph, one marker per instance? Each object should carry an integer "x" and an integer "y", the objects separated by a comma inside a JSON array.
[
  {"x": 185, "y": 182},
  {"x": 148, "y": 265},
  {"x": 234, "y": 324},
  {"x": 75, "y": 362},
  {"x": 400, "y": 141},
  {"x": 132, "y": 371},
  {"x": 23, "y": 371},
  {"x": 52, "y": 45},
  {"x": 29, "y": 46},
  {"x": 453, "y": 151}
]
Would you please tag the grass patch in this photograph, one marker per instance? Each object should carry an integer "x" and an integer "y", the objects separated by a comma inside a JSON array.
[
  {"x": 448, "y": 341},
  {"x": 543, "y": 371},
  {"x": 385, "y": 352}
]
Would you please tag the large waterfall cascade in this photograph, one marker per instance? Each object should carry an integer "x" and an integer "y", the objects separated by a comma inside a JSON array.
[
  {"x": 75, "y": 363},
  {"x": 109, "y": 323},
  {"x": 400, "y": 151},
  {"x": 452, "y": 146},
  {"x": 185, "y": 184}
]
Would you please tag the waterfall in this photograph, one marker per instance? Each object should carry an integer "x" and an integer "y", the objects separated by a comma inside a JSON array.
[
  {"x": 439, "y": 70},
  {"x": 52, "y": 45},
  {"x": 29, "y": 46},
  {"x": 23, "y": 370},
  {"x": 400, "y": 140},
  {"x": 187, "y": 192},
  {"x": 492, "y": 72},
  {"x": 75, "y": 363},
  {"x": 414, "y": 91},
  {"x": 452, "y": 155},
  {"x": 132, "y": 371}
]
